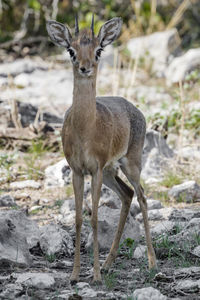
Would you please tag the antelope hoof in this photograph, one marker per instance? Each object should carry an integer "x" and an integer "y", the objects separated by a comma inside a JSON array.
[{"x": 97, "y": 279}]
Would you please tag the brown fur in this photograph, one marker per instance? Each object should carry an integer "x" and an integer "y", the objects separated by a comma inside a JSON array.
[{"x": 97, "y": 133}]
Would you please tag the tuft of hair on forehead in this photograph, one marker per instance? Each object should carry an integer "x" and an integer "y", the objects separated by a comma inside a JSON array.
[{"x": 85, "y": 37}]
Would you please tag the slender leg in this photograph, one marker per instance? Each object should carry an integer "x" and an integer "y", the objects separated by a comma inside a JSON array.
[
  {"x": 133, "y": 174},
  {"x": 78, "y": 184},
  {"x": 150, "y": 250},
  {"x": 96, "y": 190},
  {"x": 125, "y": 194}
]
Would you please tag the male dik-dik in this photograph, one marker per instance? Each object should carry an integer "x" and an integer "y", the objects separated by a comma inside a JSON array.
[{"x": 97, "y": 133}]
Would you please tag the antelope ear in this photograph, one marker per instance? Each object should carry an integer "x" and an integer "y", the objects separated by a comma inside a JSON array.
[
  {"x": 59, "y": 34},
  {"x": 109, "y": 31}
]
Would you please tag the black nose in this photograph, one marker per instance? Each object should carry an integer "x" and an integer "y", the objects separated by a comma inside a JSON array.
[{"x": 83, "y": 69}]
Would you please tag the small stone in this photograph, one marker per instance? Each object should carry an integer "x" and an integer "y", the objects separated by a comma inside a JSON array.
[
  {"x": 148, "y": 293},
  {"x": 54, "y": 240},
  {"x": 196, "y": 251},
  {"x": 140, "y": 252},
  {"x": 18, "y": 185},
  {"x": 154, "y": 204},
  {"x": 85, "y": 290},
  {"x": 37, "y": 280},
  {"x": 7, "y": 200},
  {"x": 22, "y": 80},
  {"x": 34, "y": 208},
  {"x": 58, "y": 174},
  {"x": 67, "y": 207}
]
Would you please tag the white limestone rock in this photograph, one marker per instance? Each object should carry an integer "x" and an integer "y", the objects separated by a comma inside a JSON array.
[
  {"x": 158, "y": 46},
  {"x": 148, "y": 293},
  {"x": 188, "y": 192},
  {"x": 30, "y": 184},
  {"x": 182, "y": 65}
]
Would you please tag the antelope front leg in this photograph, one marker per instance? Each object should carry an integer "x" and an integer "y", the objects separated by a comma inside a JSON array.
[
  {"x": 78, "y": 184},
  {"x": 96, "y": 190}
]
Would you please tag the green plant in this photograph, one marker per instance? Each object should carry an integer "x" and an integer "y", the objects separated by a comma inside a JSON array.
[
  {"x": 110, "y": 280},
  {"x": 129, "y": 245},
  {"x": 33, "y": 169},
  {"x": 170, "y": 179},
  {"x": 37, "y": 148},
  {"x": 69, "y": 190},
  {"x": 50, "y": 257},
  {"x": 196, "y": 237}
]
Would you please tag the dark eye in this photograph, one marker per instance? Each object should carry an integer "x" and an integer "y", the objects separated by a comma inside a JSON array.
[
  {"x": 71, "y": 52},
  {"x": 98, "y": 53}
]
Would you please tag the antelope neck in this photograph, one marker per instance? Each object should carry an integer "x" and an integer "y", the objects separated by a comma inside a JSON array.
[{"x": 84, "y": 103}]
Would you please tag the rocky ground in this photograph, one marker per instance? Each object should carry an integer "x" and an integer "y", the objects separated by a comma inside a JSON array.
[{"x": 37, "y": 208}]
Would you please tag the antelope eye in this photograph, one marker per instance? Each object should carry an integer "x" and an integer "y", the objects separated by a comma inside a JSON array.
[
  {"x": 71, "y": 52},
  {"x": 98, "y": 53}
]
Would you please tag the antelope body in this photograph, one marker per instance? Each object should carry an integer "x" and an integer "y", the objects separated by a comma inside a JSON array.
[{"x": 97, "y": 133}]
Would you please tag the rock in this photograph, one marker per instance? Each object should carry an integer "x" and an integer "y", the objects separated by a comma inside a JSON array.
[
  {"x": 107, "y": 225},
  {"x": 188, "y": 286},
  {"x": 22, "y": 225},
  {"x": 157, "y": 47},
  {"x": 23, "y": 65},
  {"x": 58, "y": 174},
  {"x": 188, "y": 192},
  {"x": 67, "y": 219},
  {"x": 14, "y": 248},
  {"x": 189, "y": 153},
  {"x": 187, "y": 272},
  {"x": 140, "y": 252},
  {"x": 154, "y": 204},
  {"x": 11, "y": 291},
  {"x": 31, "y": 184},
  {"x": 164, "y": 227},
  {"x": 36, "y": 280},
  {"x": 156, "y": 214},
  {"x": 156, "y": 154},
  {"x": 148, "y": 293},
  {"x": 67, "y": 207},
  {"x": 22, "y": 80},
  {"x": 43, "y": 88},
  {"x": 55, "y": 241},
  {"x": 179, "y": 215},
  {"x": 27, "y": 114},
  {"x": 7, "y": 200},
  {"x": 85, "y": 290},
  {"x": 196, "y": 251},
  {"x": 182, "y": 65},
  {"x": 135, "y": 207},
  {"x": 188, "y": 233},
  {"x": 34, "y": 208},
  {"x": 151, "y": 203}
]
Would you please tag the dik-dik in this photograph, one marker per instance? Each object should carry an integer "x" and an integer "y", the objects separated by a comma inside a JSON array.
[{"x": 98, "y": 134}]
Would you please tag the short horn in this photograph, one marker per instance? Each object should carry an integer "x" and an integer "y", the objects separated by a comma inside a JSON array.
[
  {"x": 92, "y": 25},
  {"x": 76, "y": 25}
]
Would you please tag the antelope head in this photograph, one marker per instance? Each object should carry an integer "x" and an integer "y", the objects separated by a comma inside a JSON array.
[{"x": 84, "y": 47}]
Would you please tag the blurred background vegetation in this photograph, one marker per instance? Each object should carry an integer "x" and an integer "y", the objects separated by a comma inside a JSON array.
[{"x": 20, "y": 19}]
